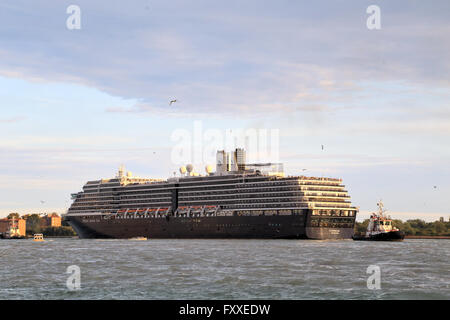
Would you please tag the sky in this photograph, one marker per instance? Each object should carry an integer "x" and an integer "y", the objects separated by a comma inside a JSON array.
[{"x": 77, "y": 103}]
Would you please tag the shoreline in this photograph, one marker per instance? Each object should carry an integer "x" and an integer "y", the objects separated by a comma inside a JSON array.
[{"x": 427, "y": 237}]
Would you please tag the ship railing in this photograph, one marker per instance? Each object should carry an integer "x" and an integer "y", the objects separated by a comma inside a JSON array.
[
  {"x": 196, "y": 211},
  {"x": 225, "y": 213},
  {"x": 133, "y": 213}
]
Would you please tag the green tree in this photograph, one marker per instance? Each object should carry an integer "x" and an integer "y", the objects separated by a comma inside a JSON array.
[
  {"x": 59, "y": 231},
  {"x": 407, "y": 229},
  {"x": 14, "y": 215},
  {"x": 361, "y": 227},
  {"x": 417, "y": 224},
  {"x": 439, "y": 228},
  {"x": 33, "y": 224}
]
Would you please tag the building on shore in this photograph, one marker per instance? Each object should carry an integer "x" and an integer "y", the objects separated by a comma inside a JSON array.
[
  {"x": 51, "y": 220},
  {"x": 10, "y": 228}
]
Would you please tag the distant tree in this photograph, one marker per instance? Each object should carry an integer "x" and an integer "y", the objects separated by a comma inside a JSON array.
[
  {"x": 361, "y": 227},
  {"x": 404, "y": 226},
  {"x": 14, "y": 215},
  {"x": 59, "y": 231},
  {"x": 33, "y": 224},
  {"x": 64, "y": 223},
  {"x": 417, "y": 223},
  {"x": 440, "y": 228}
]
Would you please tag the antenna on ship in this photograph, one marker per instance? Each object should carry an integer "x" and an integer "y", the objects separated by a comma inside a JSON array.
[
  {"x": 121, "y": 171},
  {"x": 380, "y": 208}
]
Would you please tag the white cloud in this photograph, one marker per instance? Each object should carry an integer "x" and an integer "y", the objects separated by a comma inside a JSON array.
[{"x": 220, "y": 60}]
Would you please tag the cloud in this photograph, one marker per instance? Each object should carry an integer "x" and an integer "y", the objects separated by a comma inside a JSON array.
[
  {"x": 219, "y": 60},
  {"x": 30, "y": 142}
]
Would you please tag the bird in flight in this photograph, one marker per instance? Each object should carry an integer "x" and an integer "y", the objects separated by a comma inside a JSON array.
[
  {"x": 172, "y": 101},
  {"x": 303, "y": 169},
  {"x": 322, "y": 147},
  {"x": 42, "y": 201}
]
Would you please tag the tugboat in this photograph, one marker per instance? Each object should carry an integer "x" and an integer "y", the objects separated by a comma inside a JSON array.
[{"x": 380, "y": 228}]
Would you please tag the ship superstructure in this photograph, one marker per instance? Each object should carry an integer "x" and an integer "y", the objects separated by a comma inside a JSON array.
[{"x": 239, "y": 200}]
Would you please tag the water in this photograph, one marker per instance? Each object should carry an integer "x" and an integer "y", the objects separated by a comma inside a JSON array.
[{"x": 224, "y": 269}]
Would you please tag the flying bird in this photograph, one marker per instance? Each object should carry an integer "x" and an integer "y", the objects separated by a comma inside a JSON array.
[
  {"x": 322, "y": 147},
  {"x": 303, "y": 169},
  {"x": 42, "y": 201},
  {"x": 172, "y": 101}
]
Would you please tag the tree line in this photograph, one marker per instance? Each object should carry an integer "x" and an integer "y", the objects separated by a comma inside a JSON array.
[{"x": 34, "y": 225}]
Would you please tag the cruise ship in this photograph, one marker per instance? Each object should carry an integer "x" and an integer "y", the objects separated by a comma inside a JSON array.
[{"x": 238, "y": 200}]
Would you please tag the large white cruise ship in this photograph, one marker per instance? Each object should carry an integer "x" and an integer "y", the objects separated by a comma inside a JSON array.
[{"x": 239, "y": 200}]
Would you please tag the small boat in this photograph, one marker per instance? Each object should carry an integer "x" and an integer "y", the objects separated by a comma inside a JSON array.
[
  {"x": 380, "y": 228},
  {"x": 139, "y": 238},
  {"x": 39, "y": 237}
]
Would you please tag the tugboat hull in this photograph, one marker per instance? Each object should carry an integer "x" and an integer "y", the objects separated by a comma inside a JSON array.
[{"x": 385, "y": 236}]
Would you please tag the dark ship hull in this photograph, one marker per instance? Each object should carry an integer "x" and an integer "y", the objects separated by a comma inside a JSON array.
[
  {"x": 386, "y": 236},
  {"x": 217, "y": 227}
]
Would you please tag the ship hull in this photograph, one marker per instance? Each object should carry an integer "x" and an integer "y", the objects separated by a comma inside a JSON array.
[{"x": 217, "y": 227}]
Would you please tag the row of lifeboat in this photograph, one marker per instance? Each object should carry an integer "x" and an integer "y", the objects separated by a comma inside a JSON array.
[
  {"x": 159, "y": 210},
  {"x": 142, "y": 211},
  {"x": 184, "y": 209}
]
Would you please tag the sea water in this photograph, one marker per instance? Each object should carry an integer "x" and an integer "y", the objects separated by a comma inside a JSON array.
[{"x": 223, "y": 269}]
